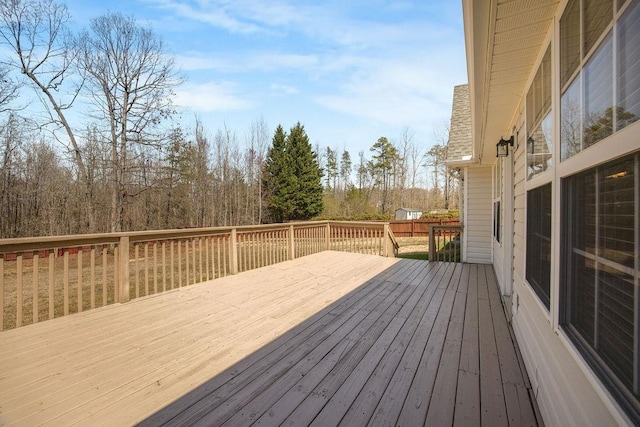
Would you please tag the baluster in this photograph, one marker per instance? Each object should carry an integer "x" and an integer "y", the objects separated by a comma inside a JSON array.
[
  {"x": 92, "y": 276},
  {"x": 35, "y": 287},
  {"x": 79, "y": 283}
]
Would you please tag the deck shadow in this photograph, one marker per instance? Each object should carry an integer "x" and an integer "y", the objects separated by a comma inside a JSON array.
[{"x": 407, "y": 346}]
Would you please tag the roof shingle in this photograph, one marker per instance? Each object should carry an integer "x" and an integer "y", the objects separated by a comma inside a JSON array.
[{"x": 460, "y": 144}]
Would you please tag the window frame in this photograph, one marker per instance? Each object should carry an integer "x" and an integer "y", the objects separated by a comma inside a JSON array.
[
  {"x": 537, "y": 119},
  {"x": 577, "y": 76},
  {"x": 545, "y": 177},
  {"x": 544, "y": 295},
  {"x": 597, "y": 365}
]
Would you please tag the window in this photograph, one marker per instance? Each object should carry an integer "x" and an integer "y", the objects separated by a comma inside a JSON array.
[
  {"x": 496, "y": 221},
  {"x": 538, "y": 265},
  {"x": 598, "y": 99},
  {"x": 540, "y": 119},
  {"x": 601, "y": 269},
  {"x": 628, "y": 83}
]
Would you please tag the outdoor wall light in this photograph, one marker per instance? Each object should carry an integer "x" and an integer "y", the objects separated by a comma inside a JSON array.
[
  {"x": 531, "y": 145},
  {"x": 502, "y": 147}
]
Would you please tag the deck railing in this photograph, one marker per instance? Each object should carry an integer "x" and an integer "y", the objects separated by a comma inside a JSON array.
[
  {"x": 46, "y": 277},
  {"x": 445, "y": 243}
]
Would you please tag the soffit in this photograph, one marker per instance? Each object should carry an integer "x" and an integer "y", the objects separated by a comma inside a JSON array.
[{"x": 515, "y": 31}]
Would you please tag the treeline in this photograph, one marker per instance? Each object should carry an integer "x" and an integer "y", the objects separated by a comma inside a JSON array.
[
  {"x": 198, "y": 179},
  {"x": 390, "y": 175},
  {"x": 189, "y": 181},
  {"x": 103, "y": 151}
]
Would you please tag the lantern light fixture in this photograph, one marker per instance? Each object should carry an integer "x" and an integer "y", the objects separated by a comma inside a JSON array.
[{"x": 502, "y": 147}]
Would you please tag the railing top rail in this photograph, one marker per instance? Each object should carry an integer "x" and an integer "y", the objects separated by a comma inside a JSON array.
[
  {"x": 393, "y": 239},
  {"x": 374, "y": 224},
  {"x": 447, "y": 227},
  {"x": 51, "y": 242}
]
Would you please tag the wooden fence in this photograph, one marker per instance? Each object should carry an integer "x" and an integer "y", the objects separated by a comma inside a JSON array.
[
  {"x": 46, "y": 277},
  {"x": 418, "y": 227}
]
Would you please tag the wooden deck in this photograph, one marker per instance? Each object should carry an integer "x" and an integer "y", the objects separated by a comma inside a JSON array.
[{"x": 332, "y": 338}]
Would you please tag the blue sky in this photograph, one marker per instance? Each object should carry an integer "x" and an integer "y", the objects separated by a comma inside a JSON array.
[{"x": 349, "y": 71}]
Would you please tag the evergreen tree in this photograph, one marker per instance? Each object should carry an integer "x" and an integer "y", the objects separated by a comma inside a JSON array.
[
  {"x": 331, "y": 169},
  {"x": 345, "y": 169},
  {"x": 292, "y": 177},
  {"x": 381, "y": 168}
]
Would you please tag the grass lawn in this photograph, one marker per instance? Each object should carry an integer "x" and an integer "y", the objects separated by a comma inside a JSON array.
[{"x": 414, "y": 255}]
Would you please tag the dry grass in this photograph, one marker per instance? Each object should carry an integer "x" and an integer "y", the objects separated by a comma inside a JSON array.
[{"x": 413, "y": 246}]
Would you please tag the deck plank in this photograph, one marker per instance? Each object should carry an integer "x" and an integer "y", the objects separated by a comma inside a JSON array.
[
  {"x": 390, "y": 405},
  {"x": 368, "y": 330},
  {"x": 467, "y": 410},
  {"x": 442, "y": 404},
  {"x": 319, "y": 382},
  {"x": 355, "y": 401},
  {"x": 272, "y": 365},
  {"x": 493, "y": 410},
  {"x": 331, "y": 338},
  {"x": 416, "y": 403},
  {"x": 513, "y": 383},
  {"x": 217, "y": 411}
]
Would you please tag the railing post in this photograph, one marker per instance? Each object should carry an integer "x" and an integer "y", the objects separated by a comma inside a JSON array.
[
  {"x": 292, "y": 253},
  {"x": 327, "y": 237},
  {"x": 388, "y": 243},
  {"x": 123, "y": 294},
  {"x": 432, "y": 244},
  {"x": 233, "y": 252}
]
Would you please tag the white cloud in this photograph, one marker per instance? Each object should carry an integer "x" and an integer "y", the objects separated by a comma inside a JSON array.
[
  {"x": 216, "y": 15},
  {"x": 395, "y": 93},
  {"x": 246, "y": 62},
  {"x": 211, "y": 96},
  {"x": 284, "y": 89},
  {"x": 271, "y": 61},
  {"x": 239, "y": 17}
]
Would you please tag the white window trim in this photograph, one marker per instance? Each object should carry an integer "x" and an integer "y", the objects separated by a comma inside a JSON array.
[
  {"x": 548, "y": 176},
  {"x": 603, "y": 392},
  {"x": 619, "y": 144}
]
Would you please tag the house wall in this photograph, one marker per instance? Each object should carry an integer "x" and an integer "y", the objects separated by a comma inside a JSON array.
[
  {"x": 556, "y": 378},
  {"x": 477, "y": 236},
  {"x": 567, "y": 390}
]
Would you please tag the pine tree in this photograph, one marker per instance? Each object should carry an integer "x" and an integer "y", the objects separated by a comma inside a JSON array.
[
  {"x": 381, "y": 168},
  {"x": 308, "y": 195},
  {"x": 292, "y": 177}
]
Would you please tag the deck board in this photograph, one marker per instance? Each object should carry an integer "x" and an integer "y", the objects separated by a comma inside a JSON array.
[{"x": 327, "y": 339}]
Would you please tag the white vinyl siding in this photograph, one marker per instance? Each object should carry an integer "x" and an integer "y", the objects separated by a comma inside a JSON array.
[
  {"x": 550, "y": 364},
  {"x": 478, "y": 227}
]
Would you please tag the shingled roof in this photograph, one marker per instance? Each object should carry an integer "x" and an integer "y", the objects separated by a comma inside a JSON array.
[{"x": 460, "y": 145}]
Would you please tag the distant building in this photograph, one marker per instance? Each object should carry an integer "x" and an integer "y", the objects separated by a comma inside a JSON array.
[{"x": 404, "y": 213}]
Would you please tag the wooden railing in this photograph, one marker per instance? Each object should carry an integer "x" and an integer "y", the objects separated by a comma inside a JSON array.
[
  {"x": 47, "y": 277},
  {"x": 445, "y": 243}
]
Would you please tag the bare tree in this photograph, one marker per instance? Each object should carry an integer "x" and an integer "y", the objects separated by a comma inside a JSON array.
[
  {"x": 257, "y": 147},
  {"x": 131, "y": 78},
  {"x": 35, "y": 31},
  {"x": 200, "y": 174},
  {"x": 8, "y": 89}
]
